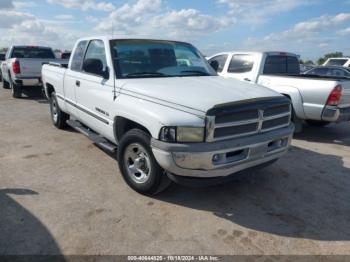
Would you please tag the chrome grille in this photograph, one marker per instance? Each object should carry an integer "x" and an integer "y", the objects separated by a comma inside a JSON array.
[{"x": 243, "y": 119}]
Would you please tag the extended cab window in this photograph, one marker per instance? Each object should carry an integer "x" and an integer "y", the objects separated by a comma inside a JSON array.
[
  {"x": 281, "y": 65},
  {"x": 77, "y": 60},
  {"x": 152, "y": 58},
  {"x": 95, "y": 58},
  {"x": 220, "y": 61},
  {"x": 241, "y": 64},
  {"x": 32, "y": 52}
]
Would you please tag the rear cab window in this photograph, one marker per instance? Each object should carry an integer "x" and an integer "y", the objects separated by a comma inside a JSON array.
[
  {"x": 241, "y": 64},
  {"x": 281, "y": 65},
  {"x": 33, "y": 52}
]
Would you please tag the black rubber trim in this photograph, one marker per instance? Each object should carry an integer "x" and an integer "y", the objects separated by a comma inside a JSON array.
[{"x": 83, "y": 110}]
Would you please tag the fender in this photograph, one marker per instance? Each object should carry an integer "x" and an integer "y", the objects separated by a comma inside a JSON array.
[
  {"x": 151, "y": 115},
  {"x": 295, "y": 96}
]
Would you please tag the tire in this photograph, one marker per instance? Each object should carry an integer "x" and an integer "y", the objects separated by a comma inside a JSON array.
[
  {"x": 147, "y": 177},
  {"x": 5, "y": 84},
  {"x": 298, "y": 123},
  {"x": 58, "y": 117},
  {"x": 317, "y": 123},
  {"x": 16, "y": 90}
]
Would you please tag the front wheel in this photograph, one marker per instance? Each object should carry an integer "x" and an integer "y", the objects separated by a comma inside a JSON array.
[
  {"x": 58, "y": 117},
  {"x": 138, "y": 166},
  {"x": 317, "y": 123}
]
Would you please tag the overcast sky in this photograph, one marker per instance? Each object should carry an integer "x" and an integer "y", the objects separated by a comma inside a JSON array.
[{"x": 306, "y": 27}]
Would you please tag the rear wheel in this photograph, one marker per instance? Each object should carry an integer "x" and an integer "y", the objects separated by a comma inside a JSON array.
[
  {"x": 5, "y": 84},
  {"x": 317, "y": 123},
  {"x": 138, "y": 166},
  {"x": 16, "y": 90},
  {"x": 59, "y": 118}
]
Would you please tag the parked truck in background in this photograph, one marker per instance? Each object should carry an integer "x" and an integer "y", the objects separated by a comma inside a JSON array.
[
  {"x": 165, "y": 112},
  {"x": 22, "y": 67},
  {"x": 2, "y": 59},
  {"x": 316, "y": 100},
  {"x": 338, "y": 61}
]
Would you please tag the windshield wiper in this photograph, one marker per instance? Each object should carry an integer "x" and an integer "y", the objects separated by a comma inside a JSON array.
[
  {"x": 146, "y": 74},
  {"x": 196, "y": 72}
]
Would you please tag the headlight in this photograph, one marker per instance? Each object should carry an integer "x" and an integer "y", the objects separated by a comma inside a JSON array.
[{"x": 182, "y": 134}]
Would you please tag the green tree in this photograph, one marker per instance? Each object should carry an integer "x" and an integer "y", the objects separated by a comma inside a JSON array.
[
  {"x": 309, "y": 62},
  {"x": 323, "y": 59}
]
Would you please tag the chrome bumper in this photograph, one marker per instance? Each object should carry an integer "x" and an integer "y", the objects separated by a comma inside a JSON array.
[
  {"x": 336, "y": 114},
  {"x": 220, "y": 159}
]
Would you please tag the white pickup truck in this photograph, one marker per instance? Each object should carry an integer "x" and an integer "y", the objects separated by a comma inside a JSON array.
[
  {"x": 165, "y": 112},
  {"x": 316, "y": 100},
  {"x": 338, "y": 61},
  {"x": 22, "y": 67}
]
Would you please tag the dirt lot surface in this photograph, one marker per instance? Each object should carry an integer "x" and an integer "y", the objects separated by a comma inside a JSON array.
[{"x": 60, "y": 194}]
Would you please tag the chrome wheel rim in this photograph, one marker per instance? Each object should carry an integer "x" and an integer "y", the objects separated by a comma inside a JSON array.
[
  {"x": 54, "y": 111},
  {"x": 137, "y": 163}
]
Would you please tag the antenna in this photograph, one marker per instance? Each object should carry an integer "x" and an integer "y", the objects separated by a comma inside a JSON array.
[{"x": 112, "y": 28}]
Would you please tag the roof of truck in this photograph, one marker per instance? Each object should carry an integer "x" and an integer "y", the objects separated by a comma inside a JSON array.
[{"x": 128, "y": 37}]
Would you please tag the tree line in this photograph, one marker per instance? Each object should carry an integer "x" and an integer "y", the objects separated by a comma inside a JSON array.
[{"x": 323, "y": 59}]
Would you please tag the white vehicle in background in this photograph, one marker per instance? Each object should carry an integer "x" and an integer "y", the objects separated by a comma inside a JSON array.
[
  {"x": 164, "y": 111},
  {"x": 318, "y": 100},
  {"x": 22, "y": 67},
  {"x": 338, "y": 61}
]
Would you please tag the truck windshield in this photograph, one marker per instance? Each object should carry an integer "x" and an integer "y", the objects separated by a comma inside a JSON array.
[
  {"x": 151, "y": 59},
  {"x": 336, "y": 62},
  {"x": 32, "y": 52},
  {"x": 281, "y": 65}
]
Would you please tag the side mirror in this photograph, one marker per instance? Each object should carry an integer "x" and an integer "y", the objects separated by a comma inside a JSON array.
[
  {"x": 215, "y": 65},
  {"x": 95, "y": 67}
]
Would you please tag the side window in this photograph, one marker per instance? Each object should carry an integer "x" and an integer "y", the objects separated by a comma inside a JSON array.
[
  {"x": 78, "y": 56},
  {"x": 338, "y": 72},
  {"x": 322, "y": 71},
  {"x": 219, "y": 62},
  {"x": 95, "y": 58},
  {"x": 241, "y": 64}
]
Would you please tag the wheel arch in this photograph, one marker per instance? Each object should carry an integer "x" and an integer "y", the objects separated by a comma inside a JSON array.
[
  {"x": 49, "y": 89},
  {"x": 122, "y": 125}
]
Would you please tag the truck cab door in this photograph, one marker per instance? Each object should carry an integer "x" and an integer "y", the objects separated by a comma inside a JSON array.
[
  {"x": 241, "y": 67},
  {"x": 94, "y": 90}
]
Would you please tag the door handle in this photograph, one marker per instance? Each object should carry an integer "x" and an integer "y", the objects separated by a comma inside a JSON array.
[
  {"x": 247, "y": 79},
  {"x": 77, "y": 83}
]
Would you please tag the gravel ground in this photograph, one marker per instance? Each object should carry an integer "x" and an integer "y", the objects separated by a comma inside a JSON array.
[{"x": 60, "y": 194}]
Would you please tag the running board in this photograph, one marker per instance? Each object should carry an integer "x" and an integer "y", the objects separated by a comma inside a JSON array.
[{"x": 94, "y": 137}]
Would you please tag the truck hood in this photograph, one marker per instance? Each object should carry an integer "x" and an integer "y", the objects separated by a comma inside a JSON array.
[{"x": 196, "y": 93}]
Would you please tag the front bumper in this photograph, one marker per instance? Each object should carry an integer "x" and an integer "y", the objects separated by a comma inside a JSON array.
[
  {"x": 220, "y": 159},
  {"x": 336, "y": 114}
]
